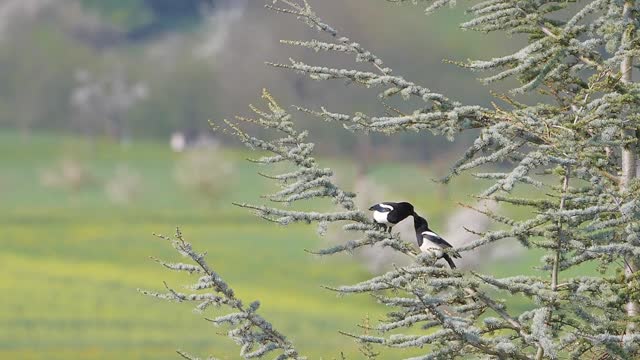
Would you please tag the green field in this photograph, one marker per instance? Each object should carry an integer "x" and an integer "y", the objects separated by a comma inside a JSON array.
[{"x": 72, "y": 260}]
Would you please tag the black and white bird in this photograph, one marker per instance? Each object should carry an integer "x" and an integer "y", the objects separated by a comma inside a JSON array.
[
  {"x": 429, "y": 241},
  {"x": 389, "y": 214}
]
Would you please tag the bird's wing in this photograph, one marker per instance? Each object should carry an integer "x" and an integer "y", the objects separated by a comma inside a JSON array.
[
  {"x": 381, "y": 208},
  {"x": 436, "y": 239},
  {"x": 439, "y": 241}
]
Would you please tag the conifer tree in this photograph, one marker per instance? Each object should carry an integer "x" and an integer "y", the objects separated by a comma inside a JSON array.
[{"x": 574, "y": 154}]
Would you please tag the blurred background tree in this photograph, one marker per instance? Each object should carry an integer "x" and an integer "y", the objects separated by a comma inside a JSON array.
[
  {"x": 191, "y": 55},
  {"x": 142, "y": 20}
]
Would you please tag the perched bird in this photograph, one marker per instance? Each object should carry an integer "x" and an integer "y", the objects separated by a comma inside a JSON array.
[
  {"x": 429, "y": 241},
  {"x": 390, "y": 213}
]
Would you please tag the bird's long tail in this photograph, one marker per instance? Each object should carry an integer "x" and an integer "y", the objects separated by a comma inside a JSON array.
[{"x": 449, "y": 260}]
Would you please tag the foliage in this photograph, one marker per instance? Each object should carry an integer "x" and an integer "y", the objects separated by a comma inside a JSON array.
[
  {"x": 103, "y": 102},
  {"x": 180, "y": 98},
  {"x": 38, "y": 67},
  {"x": 134, "y": 15},
  {"x": 127, "y": 14},
  {"x": 574, "y": 152}
]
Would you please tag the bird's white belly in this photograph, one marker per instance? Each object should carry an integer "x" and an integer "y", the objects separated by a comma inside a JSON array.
[
  {"x": 431, "y": 248},
  {"x": 381, "y": 217}
]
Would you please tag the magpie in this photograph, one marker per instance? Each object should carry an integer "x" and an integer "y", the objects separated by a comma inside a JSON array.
[
  {"x": 388, "y": 214},
  {"x": 429, "y": 241}
]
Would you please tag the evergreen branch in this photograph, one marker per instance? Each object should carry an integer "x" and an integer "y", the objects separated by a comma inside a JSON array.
[
  {"x": 248, "y": 328},
  {"x": 443, "y": 110},
  {"x": 307, "y": 181}
]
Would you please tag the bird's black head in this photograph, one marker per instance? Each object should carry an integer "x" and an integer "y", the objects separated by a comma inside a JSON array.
[
  {"x": 420, "y": 223},
  {"x": 406, "y": 208}
]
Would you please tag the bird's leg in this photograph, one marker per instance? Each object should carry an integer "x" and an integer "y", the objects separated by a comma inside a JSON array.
[{"x": 389, "y": 229}]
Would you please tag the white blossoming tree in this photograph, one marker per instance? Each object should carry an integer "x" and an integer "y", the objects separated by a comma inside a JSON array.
[{"x": 575, "y": 153}]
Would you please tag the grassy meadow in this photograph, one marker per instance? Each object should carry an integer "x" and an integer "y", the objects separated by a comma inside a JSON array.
[{"x": 72, "y": 259}]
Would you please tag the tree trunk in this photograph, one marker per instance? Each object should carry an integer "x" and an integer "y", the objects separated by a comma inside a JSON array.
[{"x": 629, "y": 162}]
